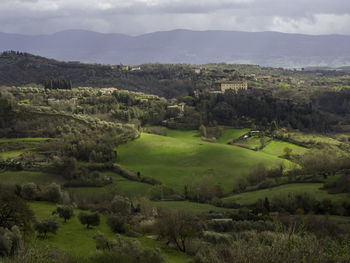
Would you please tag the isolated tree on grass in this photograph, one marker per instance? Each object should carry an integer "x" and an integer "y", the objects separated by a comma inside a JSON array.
[
  {"x": 49, "y": 225},
  {"x": 89, "y": 219},
  {"x": 65, "y": 212}
]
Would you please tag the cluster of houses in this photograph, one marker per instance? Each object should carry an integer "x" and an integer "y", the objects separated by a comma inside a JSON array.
[{"x": 126, "y": 68}]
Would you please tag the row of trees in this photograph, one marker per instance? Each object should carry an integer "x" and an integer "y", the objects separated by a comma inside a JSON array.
[{"x": 58, "y": 84}]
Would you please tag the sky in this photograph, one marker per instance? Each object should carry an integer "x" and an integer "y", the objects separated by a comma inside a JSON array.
[{"x": 135, "y": 17}]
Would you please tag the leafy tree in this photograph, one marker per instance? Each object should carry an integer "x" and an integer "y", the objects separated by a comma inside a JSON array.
[
  {"x": 89, "y": 219},
  {"x": 121, "y": 205},
  {"x": 65, "y": 212},
  {"x": 29, "y": 191},
  {"x": 49, "y": 225},
  {"x": 53, "y": 193},
  {"x": 14, "y": 210},
  {"x": 178, "y": 227}
]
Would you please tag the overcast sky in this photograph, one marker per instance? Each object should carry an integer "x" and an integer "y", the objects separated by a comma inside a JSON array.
[{"x": 136, "y": 17}]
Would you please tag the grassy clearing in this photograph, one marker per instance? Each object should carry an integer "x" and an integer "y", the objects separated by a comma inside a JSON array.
[
  {"x": 21, "y": 177},
  {"x": 75, "y": 238},
  {"x": 277, "y": 148},
  {"x": 72, "y": 236},
  {"x": 182, "y": 158},
  {"x": 188, "y": 206},
  {"x": 248, "y": 198},
  {"x": 231, "y": 134}
]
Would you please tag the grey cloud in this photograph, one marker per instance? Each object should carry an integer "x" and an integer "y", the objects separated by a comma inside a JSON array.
[{"x": 141, "y": 16}]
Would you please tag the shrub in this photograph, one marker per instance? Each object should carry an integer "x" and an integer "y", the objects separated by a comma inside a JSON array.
[
  {"x": 49, "y": 225},
  {"x": 118, "y": 224},
  {"x": 29, "y": 191},
  {"x": 89, "y": 219},
  {"x": 53, "y": 193},
  {"x": 10, "y": 241},
  {"x": 65, "y": 212}
]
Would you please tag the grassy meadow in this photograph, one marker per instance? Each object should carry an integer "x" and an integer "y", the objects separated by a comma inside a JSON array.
[
  {"x": 76, "y": 238},
  {"x": 277, "y": 148},
  {"x": 182, "y": 158},
  {"x": 21, "y": 177},
  {"x": 249, "y": 198},
  {"x": 188, "y": 206},
  {"x": 120, "y": 185}
]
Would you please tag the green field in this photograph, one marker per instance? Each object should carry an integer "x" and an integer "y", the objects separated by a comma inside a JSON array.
[
  {"x": 120, "y": 185},
  {"x": 249, "y": 198},
  {"x": 22, "y": 145},
  {"x": 188, "y": 206},
  {"x": 182, "y": 158},
  {"x": 253, "y": 143},
  {"x": 21, "y": 177},
  {"x": 231, "y": 134},
  {"x": 74, "y": 237},
  {"x": 277, "y": 148}
]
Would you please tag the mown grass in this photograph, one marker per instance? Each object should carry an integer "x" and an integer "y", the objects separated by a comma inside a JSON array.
[
  {"x": 182, "y": 158},
  {"x": 74, "y": 237},
  {"x": 249, "y": 198},
  {"x": 188, "y": 206}
]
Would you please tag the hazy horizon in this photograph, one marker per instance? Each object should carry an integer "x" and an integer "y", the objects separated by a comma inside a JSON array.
[{"x": 170, "y": 30}]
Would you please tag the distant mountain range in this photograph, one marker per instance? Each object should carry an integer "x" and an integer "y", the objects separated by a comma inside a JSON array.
[{"x": 185, "y": 46}]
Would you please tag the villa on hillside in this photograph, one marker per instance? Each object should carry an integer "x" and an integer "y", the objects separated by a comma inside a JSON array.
[{"x": 234, "y": 85}]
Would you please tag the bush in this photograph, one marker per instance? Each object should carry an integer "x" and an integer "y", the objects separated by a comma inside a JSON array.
[
  {"x": 65, "y": 212},
  {"x": 49, "y": 225},
  {"x": 118, "y": 224},
  {"x": 29, "y": 191},
  {"x": 89, "y": 219},
  {"x": 10, "y": 241},
  {"x": 53, "y": 193},
  {"x": 121, "y": 205}
]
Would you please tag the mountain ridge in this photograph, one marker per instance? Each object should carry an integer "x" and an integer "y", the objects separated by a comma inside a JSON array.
[{"x": 187, "y": 46}]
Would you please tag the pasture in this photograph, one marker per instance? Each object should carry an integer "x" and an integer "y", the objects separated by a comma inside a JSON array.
[
  {"x": 189, "y": 206},
  {"x": 277, "y": 148},
  {"x": 76, "y": 238},
  {"x": 181, "y": 158},
  {"x": 249, "y": 198},
  {"x": 120, "y": 185}
]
